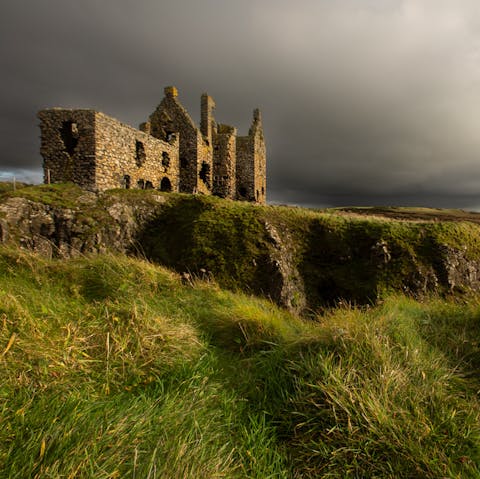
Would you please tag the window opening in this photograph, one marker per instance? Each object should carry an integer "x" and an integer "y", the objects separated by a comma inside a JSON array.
[
  {"x": 69, "y": 133},
  {"x": 140, "y": 155},
  {"x": 165, "y": 184},
  {"x": 165, "y": 160},
  {"x": 204, "y": 174}
]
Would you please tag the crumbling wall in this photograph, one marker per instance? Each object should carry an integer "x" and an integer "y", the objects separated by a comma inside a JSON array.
[
  {"x": 171, "y": 118},
  {"x": 259, "y": 158},
  {"x": 129, "y": 158},
  {"x": 224, "y": 161},
  {"x": 207, "y": 120},
  {"x": 251, "y": 163},
  {"x": 98, "y": 152},
  {"x": 68, "y": 146},
  {"x": 245, "y": 183}
]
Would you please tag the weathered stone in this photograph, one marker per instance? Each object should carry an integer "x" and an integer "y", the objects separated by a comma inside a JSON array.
[
  {"x": 285, "y": 282},
  {"x": 169, "y": 152},
  {"x": 105, "y": 154}
]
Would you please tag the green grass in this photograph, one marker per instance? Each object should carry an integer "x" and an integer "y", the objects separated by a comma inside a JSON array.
[
  {"x": 330, "y": 256},
  {"x": 60, "y": 195},
  {"x": 337, "y": 255},
  {"x": 111, "y": 367},
  {"x": 7, "y": 186}
]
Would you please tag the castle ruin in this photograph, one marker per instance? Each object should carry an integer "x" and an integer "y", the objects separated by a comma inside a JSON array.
[{"x": 169, "y": 152}]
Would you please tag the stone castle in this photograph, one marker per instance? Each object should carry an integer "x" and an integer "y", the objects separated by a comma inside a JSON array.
[{"x": 169, "y": 152}]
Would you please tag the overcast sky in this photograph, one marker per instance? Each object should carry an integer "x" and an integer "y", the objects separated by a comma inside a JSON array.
[{"x": 363, "y": 101}]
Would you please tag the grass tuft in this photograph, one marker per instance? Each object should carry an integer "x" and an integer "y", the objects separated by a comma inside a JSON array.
[{"x": 111, "y": 367}]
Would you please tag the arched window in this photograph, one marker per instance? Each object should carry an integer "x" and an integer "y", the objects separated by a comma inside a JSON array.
[{"x": 165, "y": 184}]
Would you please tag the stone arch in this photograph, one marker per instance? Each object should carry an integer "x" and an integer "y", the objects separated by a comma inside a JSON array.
[
  {"x": 165, "y": 184},
  {"x": 242, "y": 192}
]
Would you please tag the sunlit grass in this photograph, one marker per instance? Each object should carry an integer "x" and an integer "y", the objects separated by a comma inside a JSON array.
[{"x": 111, "y": 367}]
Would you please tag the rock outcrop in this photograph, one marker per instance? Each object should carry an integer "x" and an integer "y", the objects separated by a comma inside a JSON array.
[
  {"x": 90, "y": 227},
  {"x": 301, "y": 260}
]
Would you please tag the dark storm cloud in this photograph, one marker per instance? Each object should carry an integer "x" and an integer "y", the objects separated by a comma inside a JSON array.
[{"x": 364, "y": 101}]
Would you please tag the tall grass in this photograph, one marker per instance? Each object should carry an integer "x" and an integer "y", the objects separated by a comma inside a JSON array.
[{"x": 111, "y": 367}]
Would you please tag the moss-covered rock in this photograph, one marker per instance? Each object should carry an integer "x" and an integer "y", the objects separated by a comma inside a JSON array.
[{"x": 302, "y": 259}]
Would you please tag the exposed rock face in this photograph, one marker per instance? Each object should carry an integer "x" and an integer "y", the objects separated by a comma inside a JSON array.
[
  {"x": 285, "y": 285},
  {"x": 456, "y": 270},
  {"x": 299, "y": 266},
  {"x": 65, "y": 232}
]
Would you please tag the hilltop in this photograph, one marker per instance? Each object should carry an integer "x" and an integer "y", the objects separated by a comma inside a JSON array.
[{"x": 302, "y": 259}]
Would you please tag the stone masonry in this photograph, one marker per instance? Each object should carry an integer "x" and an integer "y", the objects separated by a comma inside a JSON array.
[
  {"x": 169, "y": 152},
  {"x": 98, "y": 153}
]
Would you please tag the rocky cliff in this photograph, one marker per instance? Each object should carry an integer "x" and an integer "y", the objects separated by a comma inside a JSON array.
[{"x": 302, "y": 259}]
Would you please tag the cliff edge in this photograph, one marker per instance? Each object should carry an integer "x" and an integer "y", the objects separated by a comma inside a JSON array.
[{"x": 302, "y": 259}]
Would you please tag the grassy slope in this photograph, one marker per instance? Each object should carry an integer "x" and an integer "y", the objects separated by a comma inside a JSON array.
[
  {"x": 110, "y": 367},
  {"x": 411, "y": 213},
  {"x": 7, "y": 186},
  {"x": 335, "y": 251}
]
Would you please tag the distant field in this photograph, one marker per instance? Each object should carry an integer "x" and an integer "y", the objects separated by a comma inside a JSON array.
[{"x": 410, "y": 213}]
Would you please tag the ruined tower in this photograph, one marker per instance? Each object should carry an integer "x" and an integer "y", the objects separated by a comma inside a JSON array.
[
  {"x": 225, "y": 161},
  {"x": 207, "y": 121},
  {"x": 251, "y": 163},
  {"x": 171, "y": 118}
]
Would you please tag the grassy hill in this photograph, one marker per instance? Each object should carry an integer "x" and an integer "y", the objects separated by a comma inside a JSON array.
[
  {"x": 112, "y": 367},
  {"x": 302, "y": 259}
]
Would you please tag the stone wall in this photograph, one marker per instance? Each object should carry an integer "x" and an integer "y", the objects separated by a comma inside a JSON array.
[
  {"x": 245, "y": 177},
  {"x": 259, "y": 158},
  {"x": 171, "y": 118},
  {"x": 98, "y": 152},
  {"x": 68, "y": 146},
  {"x": 251, "y": 163},
  {"x": 204, "y": 167},
  {"x": 127, "y": 157},
  {"x": 207, "y": 121},
  {"x": 224, "y": 162}
]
